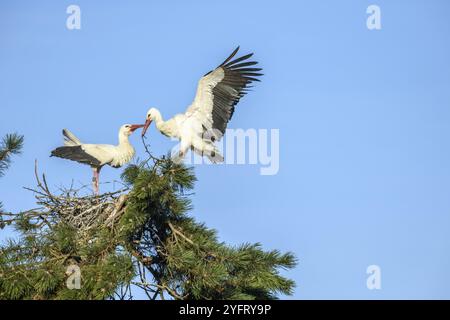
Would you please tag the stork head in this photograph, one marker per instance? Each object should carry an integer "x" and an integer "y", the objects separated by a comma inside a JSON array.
[
  {"x": 128, "y": 129},
  {"x": 151, "y": 115}
]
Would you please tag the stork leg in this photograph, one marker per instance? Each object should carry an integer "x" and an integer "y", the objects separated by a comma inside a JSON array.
[
  {"x": 95, "y": 179},
  {"x": 207, "y": 148},
  {"x": 184, "y": 147}
]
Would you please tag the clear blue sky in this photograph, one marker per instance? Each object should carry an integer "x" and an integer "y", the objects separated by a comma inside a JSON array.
[{"x": 363, "y": 116}]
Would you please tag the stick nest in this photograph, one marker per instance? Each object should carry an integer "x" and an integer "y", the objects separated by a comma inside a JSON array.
[{"x": 83, "y": 213}]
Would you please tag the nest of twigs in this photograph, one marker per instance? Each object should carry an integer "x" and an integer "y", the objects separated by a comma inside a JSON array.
[
  {"x": 82, "y": 212},
  {"x": 85, "y": 212}
]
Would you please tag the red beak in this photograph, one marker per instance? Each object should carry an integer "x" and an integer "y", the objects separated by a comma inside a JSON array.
[
  {"x": 135, "y": 126},
  {"x": 146, "y": 125}
]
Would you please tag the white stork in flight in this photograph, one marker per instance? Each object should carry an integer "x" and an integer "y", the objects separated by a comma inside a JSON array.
[
  {"x": 206, "y": 119},
  {"x": 98, "y": 155}
]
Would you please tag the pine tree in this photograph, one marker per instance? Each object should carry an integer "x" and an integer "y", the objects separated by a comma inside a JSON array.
[
  {"x": 11, "y": 144},
  {"x": 140, "y": 238}
]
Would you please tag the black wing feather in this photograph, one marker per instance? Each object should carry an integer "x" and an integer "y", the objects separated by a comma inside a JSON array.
[
  {"x": 76, "y": 153},
  {"x": 230, "y": 57},
  {"x": 233, "y": 86}
]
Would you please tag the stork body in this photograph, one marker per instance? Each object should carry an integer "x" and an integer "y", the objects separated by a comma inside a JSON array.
[
  {"x": 206, "y": 119},
  {"x": 98, "y": 155}
]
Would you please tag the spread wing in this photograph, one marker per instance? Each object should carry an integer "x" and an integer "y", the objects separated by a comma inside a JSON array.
[{"x": 220, "y": 90}]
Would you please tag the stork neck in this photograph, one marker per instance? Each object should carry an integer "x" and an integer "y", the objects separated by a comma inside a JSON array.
[
  {"x": 123, "y": 139},
  {"x": 158, "y": 120}
]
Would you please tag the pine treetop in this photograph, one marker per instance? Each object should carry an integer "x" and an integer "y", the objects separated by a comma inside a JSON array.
[
  {"x": 11, "y": 144},
  {"x": 140, "y": 237}
]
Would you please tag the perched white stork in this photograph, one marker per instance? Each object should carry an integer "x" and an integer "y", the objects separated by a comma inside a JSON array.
[
  {"x": 98, "y": 155},
  {"x": 206, "y": 119}
]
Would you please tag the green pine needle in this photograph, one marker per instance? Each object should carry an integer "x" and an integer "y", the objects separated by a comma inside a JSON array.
[
  {"x": 155, "y": 244},
  {"x": 11, "y": 144}
]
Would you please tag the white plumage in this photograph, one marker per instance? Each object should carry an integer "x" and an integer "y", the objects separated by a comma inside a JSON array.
[
  {"x": 206, "y": 119},
  {"x": 98, "y": 155}
]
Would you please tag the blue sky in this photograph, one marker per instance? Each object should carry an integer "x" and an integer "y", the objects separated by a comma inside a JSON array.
[{"x": 363, "y": 117}]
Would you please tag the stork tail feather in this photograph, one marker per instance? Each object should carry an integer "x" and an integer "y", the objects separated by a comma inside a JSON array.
[{"x": 70, "y": 139}]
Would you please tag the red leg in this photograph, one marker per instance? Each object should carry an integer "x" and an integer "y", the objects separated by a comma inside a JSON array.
[
  {"x": 94, "y": 173},
  {"x": 95, "y": 180}
]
